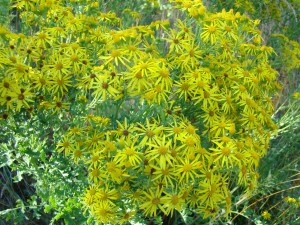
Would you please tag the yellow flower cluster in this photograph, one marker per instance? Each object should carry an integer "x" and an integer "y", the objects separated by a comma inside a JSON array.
[{"x": 189, "y": 102}]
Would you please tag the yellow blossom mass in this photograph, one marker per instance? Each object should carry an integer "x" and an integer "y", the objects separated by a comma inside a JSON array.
[{"x": 170, "y": 112}]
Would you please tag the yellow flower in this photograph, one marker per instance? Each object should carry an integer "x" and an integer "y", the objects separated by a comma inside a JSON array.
[
  {"x": 160, "y": 152},
  {"x": 27, "y": 5},
  {"x": 150, "y": 133},
  {"x": 210, "y": 97},
  {"x": 41, "y": 82},
  {"x": 224, "y": 154},
  {"x": 189, "y": 58},
  {"x": 249, "y": 49},
  {"x": 266, "y": 215},
  {"x": 58, "y": 105},
  {"x": 125, "y": 130},
  {"x": 43, "y": 39},
  {"x": 91, "y": 194},
  {"x": 65, "y": 145},
  {"x": 164, "y": 175},
  {"x": 156, "y": 94},
  {"x": 116, "y": 56},
  {"x": 205, "y": 78},
  {"x": 186, "y": 171},
  {"x": 7, "y": 101},
  {"x": 210, "y": 192},
  {"x": 133, "y": 50},
  {"x": 104, "y": 212},
  {"x": 19, "y": 70},
  {"x": 211, "y": 32},
  {"x": 185, "y": 89},
  {"x": 164, "y": 79},
  {"x": 95, "y": 159},
  {"x": 137, "y": 82},
  {"x": 176, "y": 42},
  {"x": 135, "y": 196},
  {"x": 184, "y": 29},
  {"x": 219, "y": 127},
  {"x": 125, "y": 217},
  {"x": 188, "y": 143},
  {"x": 290, "y": 200},
  {"x": 249, "y": 120},
  {"x": 107, "y": 194},
  {"x": 210, "y": 115},
  {"x": 94, "y": 140},
  {"x": 175, "y": 129},
  {"x": 296, "y": 95},
  {"x": 172, "y": 202},
  {"x": 109, "y": 147},
  {"x": 129, "y": 154},
  {"x": 6, "y": 86},
  {"x": 60, "y": 83},
  {"x": 103, "y": 88},
  {"x": 227, "y": 102},
  {"x": 77, "y": 153},
  {"x": 22, "y": 96},
  {"x": 95, "y": 174},
  {"x": 114, "y": 172},
  {"x": 152, "y": 202},
  {"x": 86, "y": 82},
  {"x": 228, "y": 30},
  {"x": 78, "y": 59}
]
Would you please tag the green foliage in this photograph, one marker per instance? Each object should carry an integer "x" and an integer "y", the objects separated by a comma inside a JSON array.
[
  {"x": 4, "y": 11},
  {"x": 37, "y": 183},
  {"x": 276, "y": 199}
]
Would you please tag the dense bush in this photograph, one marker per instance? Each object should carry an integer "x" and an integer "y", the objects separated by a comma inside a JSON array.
[{"x": 117, "y": 117}]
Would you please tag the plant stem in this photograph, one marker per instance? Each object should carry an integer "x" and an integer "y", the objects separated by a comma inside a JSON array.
[{"x": 264, "y": 198}]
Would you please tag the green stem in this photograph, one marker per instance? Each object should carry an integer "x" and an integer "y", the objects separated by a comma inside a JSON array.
[
  {"x": 115, "y": 117},
  {"x": 297, "y": 186}
]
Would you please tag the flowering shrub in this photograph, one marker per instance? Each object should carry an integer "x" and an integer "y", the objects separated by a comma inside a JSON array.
[
  {"x": 173, "y": 114},
  {"x": 279, "y": 27}
]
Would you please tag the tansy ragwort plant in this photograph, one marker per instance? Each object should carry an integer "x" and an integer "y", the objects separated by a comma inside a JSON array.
[
  {"x": 279, "y": 28},
  {"x": 178, "y": 113}
]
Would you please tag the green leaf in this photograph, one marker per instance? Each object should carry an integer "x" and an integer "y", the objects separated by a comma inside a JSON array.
[
  {"x": 6, "y": 211},
  {"x": 20, "y": 204},
  {"x": 19, "y": 176},
  {"x": 47, "y": 208}
]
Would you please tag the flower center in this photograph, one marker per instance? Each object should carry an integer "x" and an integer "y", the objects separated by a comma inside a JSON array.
[
  {"x": 155, "y": 201},
  {"x": 129, "y": 151},
  {"x": 162, "y": 150},
  {"x": 187, "y": 167}
]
